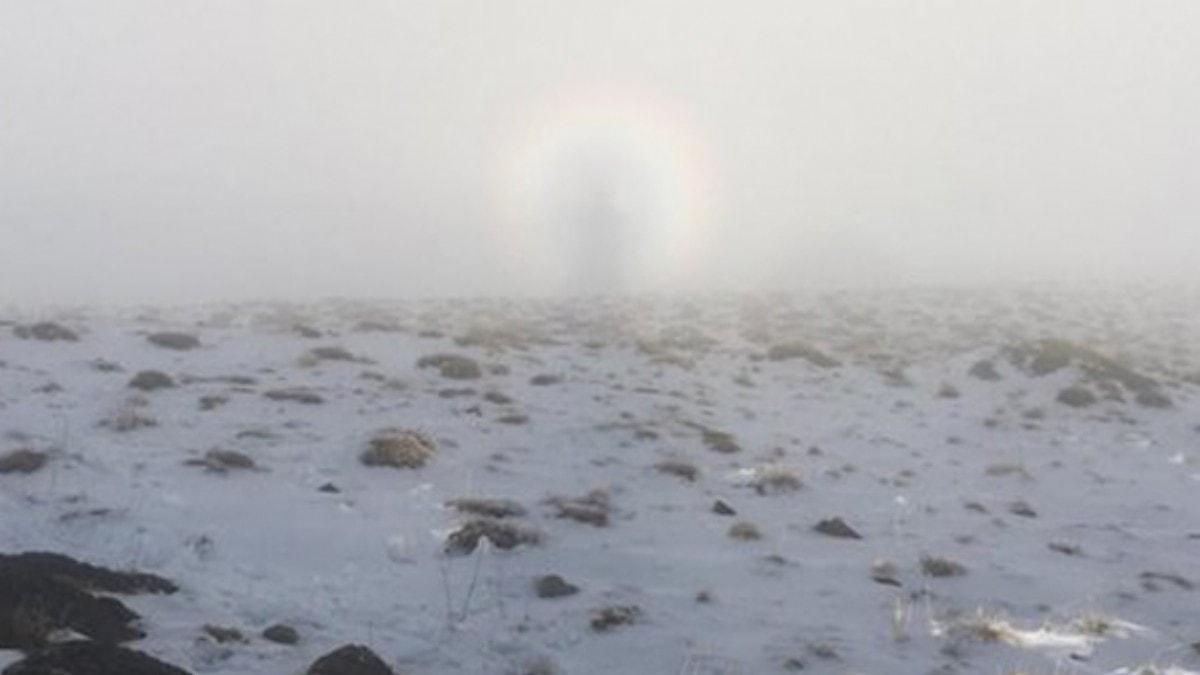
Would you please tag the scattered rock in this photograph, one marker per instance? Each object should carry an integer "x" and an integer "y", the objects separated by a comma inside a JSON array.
[
  {"x": 1150, "y": 579},
  {"x": 605, "y": 619},
  {"x": 1022, "y": 508},
  {"x": 174, "y": 340},
  {"x": 984, "y": 370},
  {"x": 883, "y": 571},
  {"x": 83, "y": 575},
  {"x": 223, "y": 634},
  {"x": 553, "y": 586},
  {"x": 212, "y": 402},
  {"x": 83, "y": 657},
  {"x": 350, "y": 660},
  {"x": 333, "y": 354},
  {"x": 295, "y": 395},
  {"x": 1076, "y": 397},
  {"x": 46, "y": 331},
  {"x": 545, "y": 380},
  {"x": 836, "y": 527},
  {"x": 281, "y": 634},
  {"x": 22, "y": 461},
  {"x": 150, "y": 380},
  {"x": 721, "y": 508}
]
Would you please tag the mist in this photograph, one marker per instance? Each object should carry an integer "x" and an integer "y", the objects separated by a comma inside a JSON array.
[{"x": 187, "y": 151}]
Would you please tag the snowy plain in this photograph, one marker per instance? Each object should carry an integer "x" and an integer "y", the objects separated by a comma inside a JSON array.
[{"x": 1077, "y": 527}]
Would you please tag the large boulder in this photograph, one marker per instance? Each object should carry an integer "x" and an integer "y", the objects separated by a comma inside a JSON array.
[{"x": 84, "y": 657}]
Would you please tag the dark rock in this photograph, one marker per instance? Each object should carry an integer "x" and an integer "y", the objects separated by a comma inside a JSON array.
[
  {"x": 90, "y": 658},
  {"x": 836, "y": 527},
  {"x": 605, "y": 619},
  {"x": 1076, "y": 397},
  {"x": 1023, "y": 509},
  {"x": 46, "y": 331},
  {"x": 22, "y": 461},
  {"x": 330, "y": 488},
  {"x": 984, "y": 370},
  {"x": 544, "y": 380},
  {"x": 721, "y": 508},
  {"x": 553, "y": 586},
  {"x": 34, "y": 604},
  {"x": 85, "y": 576},
  {"x": 295, "y": 395},
  {"x": 150, "y": 380},
  {"x": 281, "y": 634},
  {"x": 350, "y": 660},
  {"x": 174, "y": 340}
]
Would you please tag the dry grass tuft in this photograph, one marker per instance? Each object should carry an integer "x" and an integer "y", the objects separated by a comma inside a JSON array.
[{"x": 400, "y": 448}]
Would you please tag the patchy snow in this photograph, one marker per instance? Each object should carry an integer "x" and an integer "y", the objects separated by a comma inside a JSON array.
[{"x": 1108, "y": 524}]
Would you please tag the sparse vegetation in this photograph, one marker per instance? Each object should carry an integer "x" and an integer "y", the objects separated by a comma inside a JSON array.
[{"x": 400, "y": 448}]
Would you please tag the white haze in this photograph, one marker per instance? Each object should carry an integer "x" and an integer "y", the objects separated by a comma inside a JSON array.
[{"x": 189, "y": 150}]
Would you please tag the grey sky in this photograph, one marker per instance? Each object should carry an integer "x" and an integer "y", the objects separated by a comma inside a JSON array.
[{"x": 165, "y": 150}]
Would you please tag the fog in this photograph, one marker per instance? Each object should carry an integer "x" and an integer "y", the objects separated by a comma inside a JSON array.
[{"x": 180, "y": 151}]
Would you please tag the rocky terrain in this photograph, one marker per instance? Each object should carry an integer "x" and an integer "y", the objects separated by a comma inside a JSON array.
[{"x": 846, "y": 482}]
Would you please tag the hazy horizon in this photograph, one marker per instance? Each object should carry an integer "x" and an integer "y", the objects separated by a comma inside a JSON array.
[{"x": 227, "y": 150}]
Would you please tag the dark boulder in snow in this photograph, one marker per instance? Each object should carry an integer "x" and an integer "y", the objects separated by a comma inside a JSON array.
[
  {"x": 46, "y": 331},
  {"x": 836, "y": 527},
  {"x": 22, "y": 461},
  {"x": 83, "y": 657},
  {"x": 150, "y": 380},
  {"x": 174, "y": 340},
  {"x": 553, "y": 586},
  {"x": 350, "y": 660}
]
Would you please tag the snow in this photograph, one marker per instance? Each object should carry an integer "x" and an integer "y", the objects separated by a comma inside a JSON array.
[{"x": 254, "y": 548}]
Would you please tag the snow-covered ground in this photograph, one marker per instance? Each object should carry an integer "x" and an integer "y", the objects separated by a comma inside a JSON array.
[{"x": 1078, "y": 527}]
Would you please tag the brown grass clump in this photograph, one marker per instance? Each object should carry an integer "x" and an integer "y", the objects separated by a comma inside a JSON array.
[
  {"x": 744, "y": 531},
  {"x": 452, "y": 366},
  {"x": 591, "y": 509},
  {"x": 295, "y": 395},
  {"x": 933, "y": 566},
  {"x": 400, "y": 448},
  {"x": 776, "y": 479},
  {"x": 504, "y": 536},
  {"x": 223, "y": 461},
  {"x": 491, "y": 508},
  {"x": 680, "y": 468},
  {"x": 607, "y": 618},
  {"x": 800, "y": 350}
]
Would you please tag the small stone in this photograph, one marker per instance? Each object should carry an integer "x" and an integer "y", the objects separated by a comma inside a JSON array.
[
  {"x": 721, "y": 508},
  {"x": 554, "y": 586},
  {"x": 281, "y": 634},
  {"x": 836, "y": 527}
]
